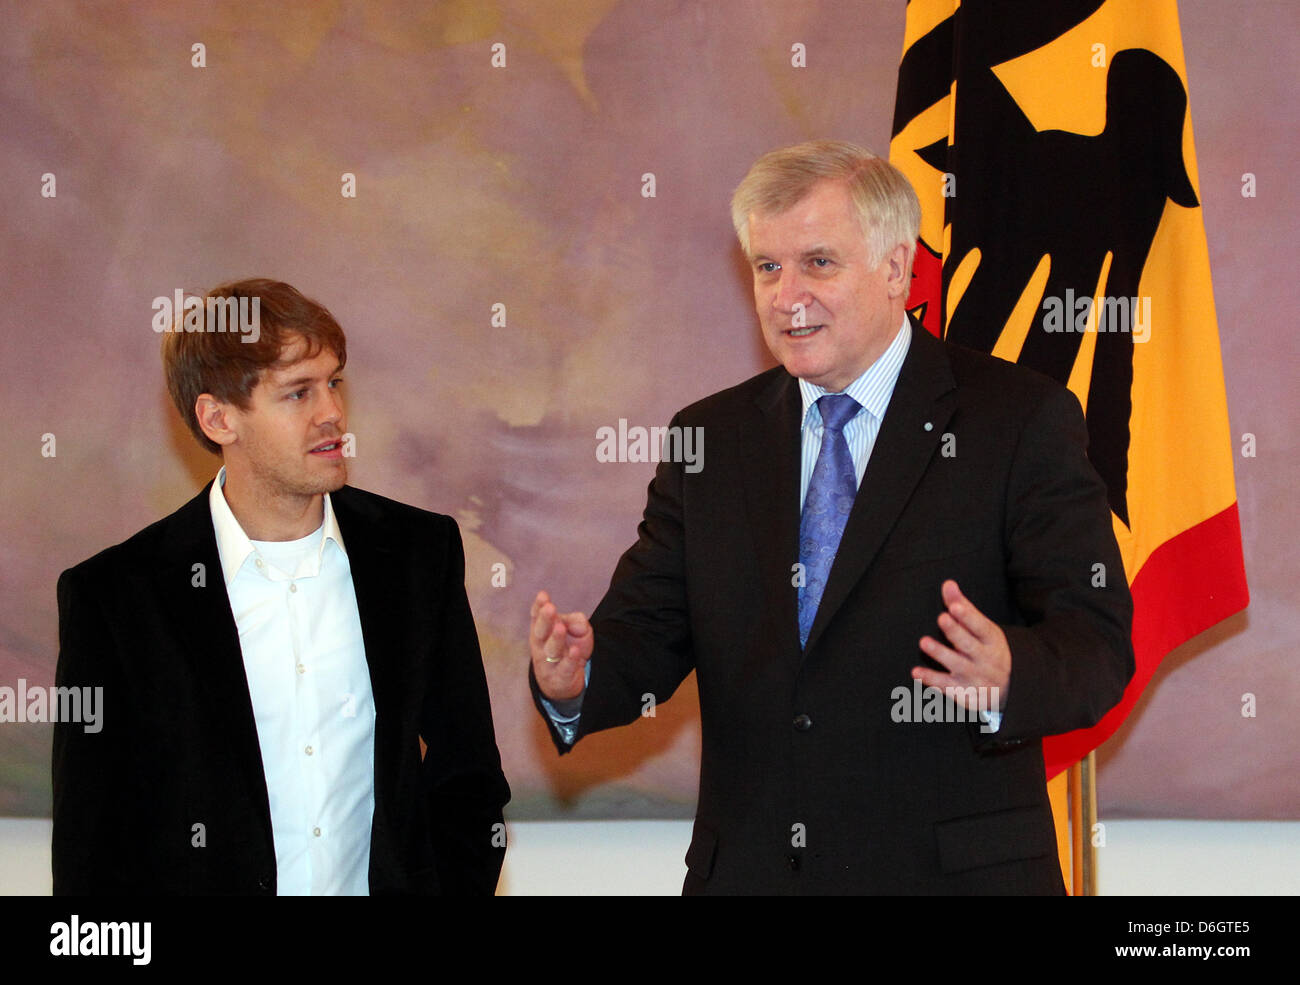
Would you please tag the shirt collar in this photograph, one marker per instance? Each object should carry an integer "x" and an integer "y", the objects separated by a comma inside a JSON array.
[
  {"x": 234, "y": 546},
  {"x": 873, "y": 388}
]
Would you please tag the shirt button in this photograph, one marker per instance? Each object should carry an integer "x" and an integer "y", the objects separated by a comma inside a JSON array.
[
  {"x": 308, "y": 750},
  {"x": 316, "y": 832},
  {"x": 293, "y": 588},
  {"x": 259, "y": 563},
  {"x": 802, "y": 723},
  {"x": 302, "y": 669}
]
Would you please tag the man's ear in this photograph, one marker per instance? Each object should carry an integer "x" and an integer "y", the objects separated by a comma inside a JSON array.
[
  {"x": 899, "y": 260},
  {"x": 214, "y": 417}
]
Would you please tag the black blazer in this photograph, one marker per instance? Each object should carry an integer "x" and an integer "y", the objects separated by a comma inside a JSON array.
[
  {"x": 150, "y": 621},
  {"x": 808, "y": 784}
]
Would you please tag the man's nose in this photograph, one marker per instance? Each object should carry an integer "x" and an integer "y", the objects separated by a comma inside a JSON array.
[
  {"x": 332, "y": 408},
  {"x": 790, "y": 290}
]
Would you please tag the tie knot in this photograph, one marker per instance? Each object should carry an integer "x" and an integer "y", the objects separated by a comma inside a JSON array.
[{"x": 837, "y": 409}]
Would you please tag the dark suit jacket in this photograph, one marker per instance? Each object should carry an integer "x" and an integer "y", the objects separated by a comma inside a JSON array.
[
  {"x": 179, "y": 744},
  {"x": 807, "y": 783}
]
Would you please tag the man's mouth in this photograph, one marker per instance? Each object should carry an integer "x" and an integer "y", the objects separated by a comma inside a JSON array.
[
  {"x": 803, "y": 333},
  {"x": 328, "y": 448}
]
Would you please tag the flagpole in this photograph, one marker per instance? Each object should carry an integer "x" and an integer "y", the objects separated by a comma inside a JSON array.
[
  {"x": 1083, "y": 821},
  {"x": 1076, "y": 827},
  {"x": 1088, "y": 771}
]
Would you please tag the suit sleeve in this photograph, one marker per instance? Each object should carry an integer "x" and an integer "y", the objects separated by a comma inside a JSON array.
[
  {"x": 642, "y": 625},
  {"x": 87, "y": 850},
  {"x": 464, "y": 785},
  {"x": 1073, "y": 656}
]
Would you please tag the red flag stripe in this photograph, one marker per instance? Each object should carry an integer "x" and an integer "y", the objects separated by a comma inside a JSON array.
[{"x": 1189, "y": 583}]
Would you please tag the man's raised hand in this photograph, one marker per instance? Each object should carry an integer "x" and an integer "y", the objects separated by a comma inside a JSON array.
[
  {"x": 977, "y": 656},
  {"x": 560, "y": 645}
]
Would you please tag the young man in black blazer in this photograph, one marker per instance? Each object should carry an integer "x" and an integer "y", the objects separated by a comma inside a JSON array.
[{"x": 276, "y": 655}]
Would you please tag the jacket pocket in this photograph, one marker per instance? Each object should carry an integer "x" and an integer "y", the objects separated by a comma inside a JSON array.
[
  {"x": 989, "y": 839},
  {"x": 704, "y": 845}
]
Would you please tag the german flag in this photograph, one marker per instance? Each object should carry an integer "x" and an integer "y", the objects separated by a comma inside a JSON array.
[{"x": 1051, "y": 146}]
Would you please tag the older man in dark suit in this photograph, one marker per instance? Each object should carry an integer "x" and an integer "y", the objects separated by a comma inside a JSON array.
[
  {"x": 275, "y": 655},
  {"x": 877, "y": 485}
]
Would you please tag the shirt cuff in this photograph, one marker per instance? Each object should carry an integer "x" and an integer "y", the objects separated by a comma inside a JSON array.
[{"x": 564, "y": 714}]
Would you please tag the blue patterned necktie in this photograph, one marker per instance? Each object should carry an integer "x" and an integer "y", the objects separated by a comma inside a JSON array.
[{"x": 826, "y": 507}]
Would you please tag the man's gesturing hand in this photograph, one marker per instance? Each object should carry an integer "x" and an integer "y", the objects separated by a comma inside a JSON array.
[
  {"x": 978, "y": 654},
  {"x": 560, "y": 645}
]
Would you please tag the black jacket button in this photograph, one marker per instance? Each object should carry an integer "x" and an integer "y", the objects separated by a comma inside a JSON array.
[{"x": 802, "y": 723}]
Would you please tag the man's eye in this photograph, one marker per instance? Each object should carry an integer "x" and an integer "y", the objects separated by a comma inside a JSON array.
[
  {"x": 336, "y": 383},
  {"x": 297, "y": 394},
  {"x": 821, "y": 262},
  {"x": 768, "y": 267}
]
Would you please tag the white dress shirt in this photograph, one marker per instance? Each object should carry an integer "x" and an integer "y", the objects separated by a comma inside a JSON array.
[{"x": 305, "y": 662}]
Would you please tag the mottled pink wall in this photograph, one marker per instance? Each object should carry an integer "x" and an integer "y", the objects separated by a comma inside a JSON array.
[{"x": 521, "y": 185}]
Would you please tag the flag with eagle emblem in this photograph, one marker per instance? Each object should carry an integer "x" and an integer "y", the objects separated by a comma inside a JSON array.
[{"x": 1051, "y": 147}]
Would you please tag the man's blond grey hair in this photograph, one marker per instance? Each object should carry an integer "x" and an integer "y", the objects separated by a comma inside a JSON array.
[{"x": 886, "y": 203}]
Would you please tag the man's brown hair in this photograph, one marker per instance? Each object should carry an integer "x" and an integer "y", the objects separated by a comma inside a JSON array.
[{"x": 222, "y": 356}]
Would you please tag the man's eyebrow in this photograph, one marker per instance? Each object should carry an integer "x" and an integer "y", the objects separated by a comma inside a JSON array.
[
  {"x": 820, "y": 250},
  {"x": 301, "y": 380}
]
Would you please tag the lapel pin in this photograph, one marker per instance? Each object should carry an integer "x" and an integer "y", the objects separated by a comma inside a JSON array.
[{"x": 929, "y": 426}]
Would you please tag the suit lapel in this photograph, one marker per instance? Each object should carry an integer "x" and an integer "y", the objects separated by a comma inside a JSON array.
[
  {"x": 376, "y": 582},
  {"x": 771, "y": 449},
  {"x": 204, "y": 621},
  {"x": 919, "y": 410},
  {"x": 371, "y": 559}
]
